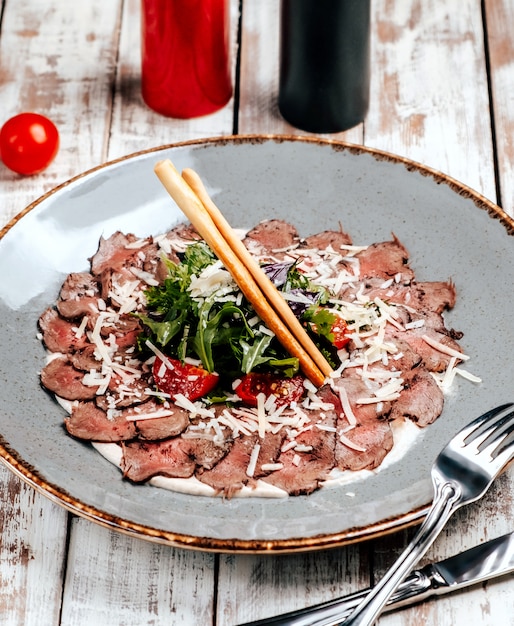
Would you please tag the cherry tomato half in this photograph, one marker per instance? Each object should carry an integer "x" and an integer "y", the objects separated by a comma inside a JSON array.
[
  {"x": 286, "y": 390},
  {"x": 28, "y": 143},
  {"x": 191, "y": 380},
  {"x": 339, "y": 332}
]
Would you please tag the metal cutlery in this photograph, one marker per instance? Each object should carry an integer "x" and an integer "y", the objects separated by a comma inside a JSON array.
[
  {"x": 486, "y": 561},
  {"x": 462, "y": 473}
]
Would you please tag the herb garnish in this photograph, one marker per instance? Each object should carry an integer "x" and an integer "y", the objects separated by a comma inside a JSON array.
[{"x": 198, "y": 311}]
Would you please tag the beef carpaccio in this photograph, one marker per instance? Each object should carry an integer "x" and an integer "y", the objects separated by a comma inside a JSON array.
[{"x": 217, "y": 404}]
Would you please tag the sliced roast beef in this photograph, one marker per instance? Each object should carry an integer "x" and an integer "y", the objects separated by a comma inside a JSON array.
[
  {"x": 421, "y": 399},
  {"x": 272, "y": 236},
  {"x": 328, "y": 239},
  {"x": 205, "y": 452},
  {"x": 141, "y": 460},
  {"x": 427, "y": 296},
  {"x": 124, "y": 391},
  {"x": 373, "y": 438},
  {"x": 78, "y": 296},
  {"x": 60, "y": 377},
  {"x": 269, "y": 452},
  {"x": 119, "y": 260},
  {"x": 365, "y": 445},
  {"x": 114, "y": 253},
  {"x": 185, "y": 232},
  {"x": 230, "y": 474},
  {"x": 307, "y": 464},
  {"x": 434, "y": 296},
  {"x": 89, "y": 422},
  {"x": 154, "y": 263},
  {"x": 85, "y": 359},
  {"x": 60, "y": 335},
  {"x": 112, "y": 284},
  {"x": 125, "y": 330},
  {"x": 388, "y": 259},
  {"x": 158, "y": 427},
  {"x": 432, "y": 358},
  {"x": 404, "y": 360}
]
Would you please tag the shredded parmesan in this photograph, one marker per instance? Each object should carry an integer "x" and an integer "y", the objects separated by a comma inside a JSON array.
[
  {"x": 133, "y": 417},
  {"x": 345, "y": 403},
  {"x": 252, "y": 464},
  {"x": 444, "y": 349},
  {"x": 350, "y": 444}
]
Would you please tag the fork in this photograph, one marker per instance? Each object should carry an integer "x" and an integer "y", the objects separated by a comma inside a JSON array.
[{"x": 462, "y": 473}]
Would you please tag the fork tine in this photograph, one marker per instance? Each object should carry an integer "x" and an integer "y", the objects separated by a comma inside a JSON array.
[
  {"x": 502, "y": 441},
  {"x": 484, "y": 425},
  {"x": 497, "y": 427}
]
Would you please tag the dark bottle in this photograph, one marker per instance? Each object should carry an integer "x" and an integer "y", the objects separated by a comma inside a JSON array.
[{"x": 324, "y": 63}]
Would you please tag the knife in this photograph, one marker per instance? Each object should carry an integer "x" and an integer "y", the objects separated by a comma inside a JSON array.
[{"x": 488, "y": 560}]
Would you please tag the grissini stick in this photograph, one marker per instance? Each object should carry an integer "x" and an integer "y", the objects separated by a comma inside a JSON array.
[
  {"x": 194, "y": 210},
  {"x": 268, "y": 288}
]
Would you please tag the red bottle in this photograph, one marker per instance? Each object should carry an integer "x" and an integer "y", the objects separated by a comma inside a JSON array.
[{"x": 185, "y": 69}]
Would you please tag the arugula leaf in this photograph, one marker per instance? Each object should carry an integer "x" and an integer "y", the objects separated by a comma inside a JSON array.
[
  {"x": 253, "y": 354},
  {"x": 209, "y": 331},
  {"x": 218, "y": 332},
  {"x": 288, "y": 366},
  {"x": 163, "y": 331}
]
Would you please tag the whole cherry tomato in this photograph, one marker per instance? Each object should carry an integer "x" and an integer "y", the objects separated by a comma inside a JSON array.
[
  {"x": 286, "y": 390},
  {"x": 28, "y": 143},
  {"x": 191, "y": 380}
]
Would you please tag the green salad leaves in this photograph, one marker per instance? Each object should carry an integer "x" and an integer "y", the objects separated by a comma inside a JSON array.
[{"x": 199, "y": 312}]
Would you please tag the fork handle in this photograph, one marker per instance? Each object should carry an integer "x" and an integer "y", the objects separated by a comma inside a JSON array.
[{"x": 444, "y": 504}]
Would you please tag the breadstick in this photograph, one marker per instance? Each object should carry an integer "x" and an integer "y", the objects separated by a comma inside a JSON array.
[
  {"x": 195, "y": 211},
  {"x": 268, "y": 288}
]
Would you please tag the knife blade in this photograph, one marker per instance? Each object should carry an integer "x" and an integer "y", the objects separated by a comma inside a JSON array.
[{"x": 488, "y": 560}]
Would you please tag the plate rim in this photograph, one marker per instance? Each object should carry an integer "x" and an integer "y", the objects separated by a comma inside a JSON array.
[{"x": 348, "y": 536}]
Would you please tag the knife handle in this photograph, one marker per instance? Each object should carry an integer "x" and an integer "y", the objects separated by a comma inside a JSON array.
[{"x": 419, "y": 585}]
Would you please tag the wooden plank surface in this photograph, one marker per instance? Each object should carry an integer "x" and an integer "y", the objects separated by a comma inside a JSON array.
[
  {"x": 79, "y": 63},
  {"x": 429, "y": 94},
  {"x": 407, "y": 116},
  {"x": 32, "y": 554},
  {"x": 499, "y": 17},
  {"x": 57, "y": 58},
  {"x": 115, "y": 579},
  {"x": 178, "y": 586}
]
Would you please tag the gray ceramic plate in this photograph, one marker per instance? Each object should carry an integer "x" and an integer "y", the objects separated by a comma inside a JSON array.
[{"x": 449, "y": 230}]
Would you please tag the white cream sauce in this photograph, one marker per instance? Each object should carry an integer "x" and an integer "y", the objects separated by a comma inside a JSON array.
[{"x": 404, "y": 433}]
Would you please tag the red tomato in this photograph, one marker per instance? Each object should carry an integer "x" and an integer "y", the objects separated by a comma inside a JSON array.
[
  {"x": 339, "y": 331},
  {"x": 191, "y": 380},
  {"x": 28, "y": 143},
  {"x": 286, "y": 390}
]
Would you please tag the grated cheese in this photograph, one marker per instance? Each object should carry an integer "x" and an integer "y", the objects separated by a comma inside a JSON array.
[
  {"x": 345, "y": 404},
  {"x": 133, "y": 417},
  {"x": 272, "y": 467},
  {"x": 351, "y": 444},
  {"x": 368, "y": 322},
  {"x": 252, "y": 464},
  {"x": 444, "y": 349}
]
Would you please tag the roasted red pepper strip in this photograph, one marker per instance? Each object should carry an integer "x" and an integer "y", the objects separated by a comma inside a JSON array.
[
  {"x": 286, "y": 390},
  {"x": 191, "y": 380}
]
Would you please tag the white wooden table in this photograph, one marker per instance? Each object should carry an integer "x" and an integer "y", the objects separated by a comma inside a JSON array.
[{"x": 441, "y": 93}]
